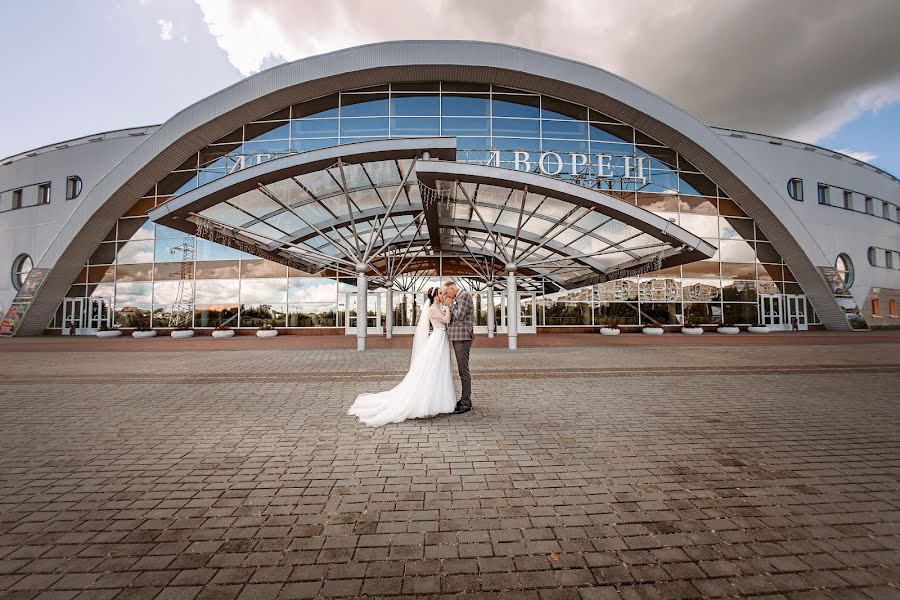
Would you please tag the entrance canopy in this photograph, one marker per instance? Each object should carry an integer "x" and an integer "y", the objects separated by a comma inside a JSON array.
[{"x": 383, "y": 208}]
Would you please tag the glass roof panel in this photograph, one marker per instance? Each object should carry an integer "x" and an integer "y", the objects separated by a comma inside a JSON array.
[
  {"x": 255, "y": 202},
  {"x": 319, "y": 183},
  {"x": 225, "y": 213},
  {"x": 383, "y": 172}
]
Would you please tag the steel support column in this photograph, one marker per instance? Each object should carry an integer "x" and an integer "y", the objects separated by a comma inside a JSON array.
[
  {"x": 362, "y": 306},
  {"x": 512, "y": 307},
  {"x": 490, "y": 310},
  {"x": 389, "y": 312}
]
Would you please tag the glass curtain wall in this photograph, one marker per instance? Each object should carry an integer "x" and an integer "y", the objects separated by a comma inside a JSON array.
[{"x": 156, "y": 276}]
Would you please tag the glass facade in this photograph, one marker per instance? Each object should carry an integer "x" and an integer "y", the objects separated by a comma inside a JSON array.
[{"x": 150, "y": 272}]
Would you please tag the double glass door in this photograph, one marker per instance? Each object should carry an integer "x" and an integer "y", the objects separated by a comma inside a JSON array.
[
  {"x": 527, "y": 312},
  {"x": 408, "y": 307},
  {"x": 783, "y": 311},
  {"x": 86, "y": 315}
]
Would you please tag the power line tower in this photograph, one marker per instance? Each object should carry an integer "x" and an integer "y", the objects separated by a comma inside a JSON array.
[{"x": 182, "y": 311}]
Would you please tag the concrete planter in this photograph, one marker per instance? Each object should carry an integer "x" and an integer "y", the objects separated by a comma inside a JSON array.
[
  {"x": 609, "y": 331},
  {"x": 223, "y": 333},
  {"x": 108, "y": 334},
  {"x": 182, "y": 333},
  {"x": 728, "y": 330},
  {"x": 652, "y": 330},
  {"x": 143, "y": 334},
  {"x": 692, "y": 330},
  {"x": 266, "y": 333},
  {"x": 754, "y": 329}
]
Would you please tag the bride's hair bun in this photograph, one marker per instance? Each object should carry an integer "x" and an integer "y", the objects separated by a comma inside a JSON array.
[{"x": 432, "y": 293}]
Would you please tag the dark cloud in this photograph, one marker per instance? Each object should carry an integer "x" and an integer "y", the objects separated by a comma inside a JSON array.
[{"x": 799, "y": 68}]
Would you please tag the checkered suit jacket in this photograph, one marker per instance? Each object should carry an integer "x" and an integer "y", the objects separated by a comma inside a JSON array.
[{"x": 462, "y": 315}]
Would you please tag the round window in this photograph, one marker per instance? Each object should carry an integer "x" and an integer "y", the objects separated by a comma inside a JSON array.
[
  {"x": 844, "y": 266},
  {"x": 21, "y": 268}
]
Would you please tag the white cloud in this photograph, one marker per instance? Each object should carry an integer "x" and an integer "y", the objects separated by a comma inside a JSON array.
[
  {"x": 165, "y": 29},
  {"x": 859, "y": 154},
  {"x": 799, "y": 69}
]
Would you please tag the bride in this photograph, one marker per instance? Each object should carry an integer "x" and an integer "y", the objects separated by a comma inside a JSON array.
[{"x": 427, "y": 389}]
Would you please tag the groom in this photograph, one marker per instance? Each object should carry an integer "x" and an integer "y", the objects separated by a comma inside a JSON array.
[{"x": 460, "y": 332}]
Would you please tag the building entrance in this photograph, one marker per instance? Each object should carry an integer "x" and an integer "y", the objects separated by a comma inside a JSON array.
[{"x": 87, "y": 315}]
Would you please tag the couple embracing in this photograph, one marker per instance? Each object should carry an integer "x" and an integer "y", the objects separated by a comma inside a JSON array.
[{"x": 427, "y": 389}]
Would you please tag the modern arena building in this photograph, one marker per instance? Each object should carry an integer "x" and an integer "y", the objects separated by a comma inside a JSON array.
[{"x": 553, "y": 190}]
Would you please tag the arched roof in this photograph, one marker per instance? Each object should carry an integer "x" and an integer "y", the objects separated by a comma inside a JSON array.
[{"x": 271, "y": 90}]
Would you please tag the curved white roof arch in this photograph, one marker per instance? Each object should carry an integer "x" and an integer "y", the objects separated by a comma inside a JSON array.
[{"x": 317, "y": 76}]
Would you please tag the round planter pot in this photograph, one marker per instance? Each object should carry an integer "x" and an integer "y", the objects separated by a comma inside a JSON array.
[
  {"x": 692, "y": 330},
  {"x": 143, "y": 334},
  {"x": 609, "y": 331},
  {"x": 182, "y": 333},
  {"x": 728, "y": 330},
  {"x": 266, "y": 333},
  {"x": 652, "y": 330},
  {"x": 754, "y": 329},
  {"x": 108, "y": 334},
  {"x": 223, "y": 333}
]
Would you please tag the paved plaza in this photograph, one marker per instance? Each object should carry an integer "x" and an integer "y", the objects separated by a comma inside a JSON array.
[{"x": 616, "y": 471}]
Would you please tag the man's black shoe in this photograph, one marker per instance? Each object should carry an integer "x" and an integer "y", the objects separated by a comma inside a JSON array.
[{"x": 462, "y": 408}]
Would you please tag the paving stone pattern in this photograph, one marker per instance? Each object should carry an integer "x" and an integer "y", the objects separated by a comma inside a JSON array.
[{"x": 592, "y": 473}]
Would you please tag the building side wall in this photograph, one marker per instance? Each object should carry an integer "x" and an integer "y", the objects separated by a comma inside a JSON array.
[
  {"x": 31, "y": 229},
  {"x": 832, "y": 228}
]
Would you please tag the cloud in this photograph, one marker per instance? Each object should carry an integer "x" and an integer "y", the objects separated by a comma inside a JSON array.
[
  {"x": 859, "y": 155},
  {"x": 800, "y": 69},
  {"x": 165, "y": 29}
]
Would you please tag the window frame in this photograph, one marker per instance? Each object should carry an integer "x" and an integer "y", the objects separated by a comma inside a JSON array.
[
  {"x": 43, "y": 191},
  {"x": 795, "y": 189},
  {"x": 73, "y": 183}
]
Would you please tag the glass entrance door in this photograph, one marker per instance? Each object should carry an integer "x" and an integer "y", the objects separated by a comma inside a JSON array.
[
  {"x": 527, "y": 310},
  {"x": 88, "y": 315},
  {"x": 795, "y": 309},
  {"x": 73, "y": 316},
  {"x": 770, "y": 311},
  {"x": 374, "y": 313}
]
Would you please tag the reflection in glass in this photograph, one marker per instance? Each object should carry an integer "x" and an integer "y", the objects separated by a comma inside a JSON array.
[
  {"x": 740, "y": 314},
  {"x": 213, "y": 315},
  {"x": 214, "y": 291},
  {"x": 703, "y": 313},
  {"x": 621, "y": 313},
  {"x": 135, "y": 252},
  {"x": 665, "y": 313},
  {"x": 739, "y": 291},
  {"x": 130, "y": 315},
  {"x": 566, "y": 313},
  {"x": 254, "y": 315},
  {"x": 312, "y": 314}
]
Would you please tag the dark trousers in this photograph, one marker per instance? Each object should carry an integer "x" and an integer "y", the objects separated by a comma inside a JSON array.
[{"x": 461, "y": 349}]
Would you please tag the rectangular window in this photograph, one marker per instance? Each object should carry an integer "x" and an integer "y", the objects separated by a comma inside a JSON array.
[
  {"x": 17, "y": 199},
  {"x": 823, "y": 194},
  {"x": 44, "y": 193},
  {"x": 870, "y": 205},
  {"x": 885, "y": 210},
  {"x": 889, "y": 259},
  {"x": 848, "y": 199},
  {"x": 876, "y": 307},
  {"x": 892, "y": 308}
]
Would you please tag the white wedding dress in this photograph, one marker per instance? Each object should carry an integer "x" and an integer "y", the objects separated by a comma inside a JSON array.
[{"x": 427, "y": 389}]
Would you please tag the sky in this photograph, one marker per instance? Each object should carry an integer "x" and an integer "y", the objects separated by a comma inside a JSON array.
[{"x": 820, "y": 71}]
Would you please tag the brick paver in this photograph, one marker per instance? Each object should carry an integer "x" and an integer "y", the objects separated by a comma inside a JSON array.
[{"x": 623, "y": 471}]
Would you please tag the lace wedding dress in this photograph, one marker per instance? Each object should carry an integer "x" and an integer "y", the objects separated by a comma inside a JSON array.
[{"x": 427, "y": 389}]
